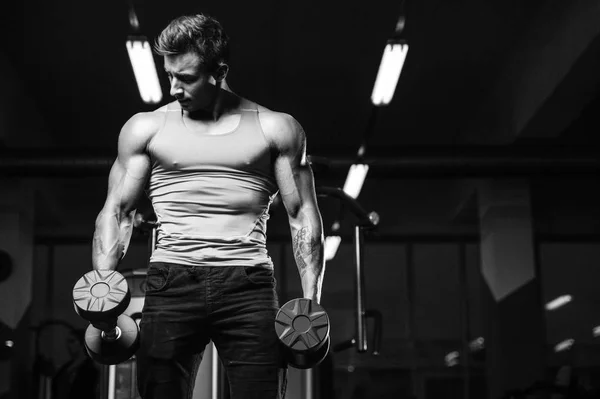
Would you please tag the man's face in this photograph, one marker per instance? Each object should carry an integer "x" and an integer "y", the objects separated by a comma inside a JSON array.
[{"x": 191, "y": 85}]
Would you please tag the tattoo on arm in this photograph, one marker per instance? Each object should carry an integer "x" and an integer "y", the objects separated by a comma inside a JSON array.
[{"x": 304, "y": 247}]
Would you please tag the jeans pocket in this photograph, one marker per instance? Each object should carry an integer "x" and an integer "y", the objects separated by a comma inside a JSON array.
[
  {"x": 259, "y": 275},
  {"x": 157, "y": 278}
]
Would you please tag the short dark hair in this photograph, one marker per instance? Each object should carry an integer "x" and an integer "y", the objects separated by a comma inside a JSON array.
[{"x": 199, "y": 33}]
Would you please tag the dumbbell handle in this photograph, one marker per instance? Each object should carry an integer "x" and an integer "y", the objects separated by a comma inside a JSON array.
[
  {"x": 110, "y": 330},
  {"x": 112, "y": 335}
]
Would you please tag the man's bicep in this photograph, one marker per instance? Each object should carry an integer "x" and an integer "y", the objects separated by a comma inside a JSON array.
[
  {"x": 127, "y": 180},
  {"x": 123, "y": 190},
  {"x": 131, "y": 169},
  {"x": 296, "y": 184},
  {"x": 292, "y": 171},
  {"x": 114, "y": 177}
]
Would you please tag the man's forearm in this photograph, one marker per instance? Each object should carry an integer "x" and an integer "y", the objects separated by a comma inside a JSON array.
[
  {"x": 111, "y": 239},
  {"x": 307, "y": 243}
]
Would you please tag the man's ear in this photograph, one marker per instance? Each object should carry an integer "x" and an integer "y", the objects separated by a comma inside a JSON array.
[{"x": 221, "y": 72}]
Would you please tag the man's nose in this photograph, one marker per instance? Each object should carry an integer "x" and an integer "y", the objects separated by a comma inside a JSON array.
[{"x": 176, "y": 89}]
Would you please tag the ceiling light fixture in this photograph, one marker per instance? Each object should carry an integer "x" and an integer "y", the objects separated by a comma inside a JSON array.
[
  {"x": 142, "y": 61},
  {"x": 558, "y": 302},
  {"x": 144, "y": 69},
  {"x": 564, "y": 345},
  {"x": 452, "y": 359},
  {"x": 477, "y": 344},
  {"x": 332, "y": 244},
  {"x": 390, "y": 67},
  {"x": 355, "y": 179}
]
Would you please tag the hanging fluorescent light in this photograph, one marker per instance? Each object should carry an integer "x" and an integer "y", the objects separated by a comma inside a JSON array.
[
  {"x": 477, "y": 344},
  {"x": 355, "y": 179},
  {"x": 332, "y": 244},
  {"x": 390, "y": 67},
  {"x": 558, "y": 302},
  {"x": 564, "y": 345},
  {"x": 452, "y": 359},
  {"x": 140, "y": 55}
]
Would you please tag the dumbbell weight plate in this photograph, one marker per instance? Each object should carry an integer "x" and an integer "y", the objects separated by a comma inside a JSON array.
[
  {"x": 310, "y": 359},
  {"x": 303, "y": 328},
  {"x": 101, "y": 295},
  {"x": 108, "y": 351}
]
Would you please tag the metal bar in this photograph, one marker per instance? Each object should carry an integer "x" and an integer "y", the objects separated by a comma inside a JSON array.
[
  {"x": 465, "y": 320},
  {"x": 410, "y": 292},
  {"x": 410, "y": 320},
  {"x": 309, "y": 385},
  {"x": 50, "y": 283},
  {"x": 112, "y": 378},
  {"x": 377, "y": 329},
  {"x": 133, "y": 379},
  {"x": 365, "y": 219},
  {"x": 48, "y": 387},
  {"x": 342, "y": 346},
  {"x": 486, "y": 161},
  {"x": 405, "y": 162},
  {"x": 361, "y": 323}
]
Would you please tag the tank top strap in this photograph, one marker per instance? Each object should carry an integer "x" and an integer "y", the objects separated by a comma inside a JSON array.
[
  {"x": 249, "y": 118},
  {"x": 174, "y": 115},
  {"x": 172, "y": 118},
  {"x": 246, "y": 105}
]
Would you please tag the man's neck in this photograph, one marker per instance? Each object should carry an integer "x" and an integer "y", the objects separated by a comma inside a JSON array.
[{"x": 223, "y": 101}]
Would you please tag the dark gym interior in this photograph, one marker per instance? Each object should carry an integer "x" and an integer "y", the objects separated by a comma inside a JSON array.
[{"x": 478, "y": 279}]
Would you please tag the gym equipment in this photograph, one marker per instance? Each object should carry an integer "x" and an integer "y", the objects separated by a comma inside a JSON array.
[
  {"x": 302, "y": 326},
  {"x": 100, "y": 297},
  {"x": 44, "y": 367},
  {"x": 364, "y": 221}
]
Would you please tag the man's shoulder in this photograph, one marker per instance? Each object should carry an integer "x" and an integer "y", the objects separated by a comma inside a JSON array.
[
  {"x": 142, "y": 126},
  {"x": 281, "y": 129},
  {"x": 275, "y": 122},
  {"x": 147, "y": 122}
]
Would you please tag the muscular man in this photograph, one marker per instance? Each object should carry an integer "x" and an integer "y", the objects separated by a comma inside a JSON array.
[{"x": 215, "y": 162}]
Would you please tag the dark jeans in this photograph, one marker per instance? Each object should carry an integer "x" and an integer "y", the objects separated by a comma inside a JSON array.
[{"x": 186, "y": 307}]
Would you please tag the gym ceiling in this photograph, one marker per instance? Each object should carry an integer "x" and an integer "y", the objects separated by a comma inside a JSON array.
[{"x": 494, "y": 74}]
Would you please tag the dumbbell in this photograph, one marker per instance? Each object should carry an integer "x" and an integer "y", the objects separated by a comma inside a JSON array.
[
  {"x": 100, "y": 297},
  {"x": 302, "y": 327}
]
